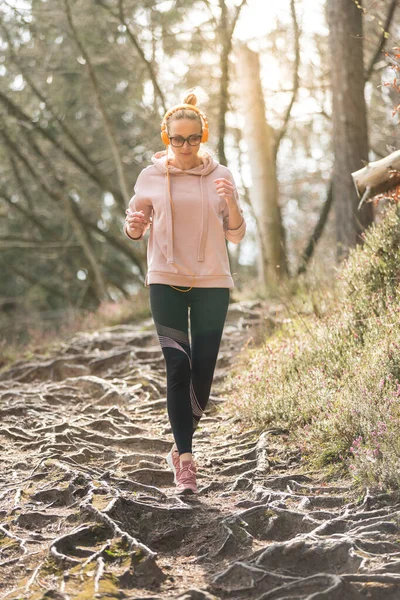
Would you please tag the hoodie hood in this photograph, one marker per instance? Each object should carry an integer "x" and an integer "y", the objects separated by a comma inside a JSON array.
[{"x": 209, "y": 164}]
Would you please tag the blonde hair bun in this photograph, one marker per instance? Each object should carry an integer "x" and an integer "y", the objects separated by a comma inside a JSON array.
[
  {"x": 193, "y": 94},
  {"x": 190, "y": 99}
]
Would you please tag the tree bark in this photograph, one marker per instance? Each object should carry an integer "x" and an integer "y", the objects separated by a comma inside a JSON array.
[{"x": 350, "y": 133}]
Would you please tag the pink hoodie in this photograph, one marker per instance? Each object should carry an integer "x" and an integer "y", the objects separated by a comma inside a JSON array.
[{"x": 200, "y": 220}]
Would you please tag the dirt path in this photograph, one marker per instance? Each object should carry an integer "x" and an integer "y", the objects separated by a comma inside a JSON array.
[{"x": 86, "y": 498}]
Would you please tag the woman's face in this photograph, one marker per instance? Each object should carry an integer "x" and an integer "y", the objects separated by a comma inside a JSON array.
[{"x": 185, "y": 128}]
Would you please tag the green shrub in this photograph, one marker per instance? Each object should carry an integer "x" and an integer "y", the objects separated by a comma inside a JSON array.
[
  {"x": 334, "y": 382},
  {"x": 372, "y": 274}
]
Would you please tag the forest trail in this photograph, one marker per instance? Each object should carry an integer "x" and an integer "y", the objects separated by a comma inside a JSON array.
[{"x": 87, "y": 505}]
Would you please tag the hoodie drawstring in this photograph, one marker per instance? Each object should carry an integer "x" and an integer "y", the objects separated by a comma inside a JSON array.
[
  {"x": 170, "y": 248},
  {"x": 170, "y": 226},
  {"x": 204, "y": 219}
]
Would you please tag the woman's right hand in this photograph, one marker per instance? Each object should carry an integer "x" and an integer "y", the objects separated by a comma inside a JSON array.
[{"x": 136, "y": 220}]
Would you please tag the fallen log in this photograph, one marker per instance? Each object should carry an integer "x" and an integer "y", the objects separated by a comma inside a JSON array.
[{"x": 377, "y": 177}]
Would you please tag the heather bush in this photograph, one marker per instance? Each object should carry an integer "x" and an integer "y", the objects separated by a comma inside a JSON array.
[
  {"x": 371, "y": 276},
  {"x": 333, "y": 382}
]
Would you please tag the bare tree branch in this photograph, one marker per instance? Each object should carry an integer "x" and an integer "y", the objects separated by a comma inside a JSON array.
[
  {"x": 148, "y": 64},
  {"x": 29, "y": 276},
  {"x": 17, "y": 12},
  {"x": 61, "y": 122},
  {"x": 106, "y": 121},
  {"x": 212, "y": 16},
  {"x": 296, "y": 79},
  {"x": 22, "y": 186},
  {"x": 91, "y": 172},
  {"x": 226, "y": 31},
  {"x": 119, "y": 242},
  {"x": 29, "y": 215},
  {"x": 65, "y": 200},
  {"x": 386, "y": 27},
  {"x": 8, "y": 244},
  {"x": 236, "y": 16}
]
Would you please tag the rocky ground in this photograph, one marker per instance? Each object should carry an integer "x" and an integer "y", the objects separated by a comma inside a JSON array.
[{"x": 87, "y": 505}]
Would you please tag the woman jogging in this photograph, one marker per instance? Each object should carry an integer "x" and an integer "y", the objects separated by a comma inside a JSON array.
[{"x": 191, "y": 205}]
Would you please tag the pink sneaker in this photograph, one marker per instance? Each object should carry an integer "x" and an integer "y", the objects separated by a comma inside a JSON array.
[
  {"x": 173, "y": 461},
  {"x": 186, "y": 478}
]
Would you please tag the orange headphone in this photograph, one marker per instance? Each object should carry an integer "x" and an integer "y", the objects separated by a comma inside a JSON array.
[
  {"x": 164, "y": 132},
  {"x": 166, "y": 141}
]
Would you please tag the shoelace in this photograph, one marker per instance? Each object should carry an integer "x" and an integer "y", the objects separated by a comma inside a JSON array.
[
  {"x": 189, "y": 470},
  {"x": 193, "y": 465}
]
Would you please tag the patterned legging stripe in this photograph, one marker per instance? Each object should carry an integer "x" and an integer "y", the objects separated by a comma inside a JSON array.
[{"x": 174, "y": 338}]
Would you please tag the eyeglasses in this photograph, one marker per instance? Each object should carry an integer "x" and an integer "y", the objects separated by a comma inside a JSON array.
[{"x": 177, "y": 140}]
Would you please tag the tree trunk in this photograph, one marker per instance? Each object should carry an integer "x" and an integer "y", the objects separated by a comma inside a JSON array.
[
  {"x": 349, "y": 121},
  {"x": 226, "y": 45},
  {"x": 316, "y": 234},
  {"x": 260, "y": 140},
  {"x": 226, "y": 28}
]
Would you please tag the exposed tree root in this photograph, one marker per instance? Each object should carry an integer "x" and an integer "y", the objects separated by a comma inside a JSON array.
[{"x": 87, "y": 500}]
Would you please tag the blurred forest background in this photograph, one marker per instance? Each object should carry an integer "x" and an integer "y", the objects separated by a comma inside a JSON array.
[{"x": 299, "y": 96}]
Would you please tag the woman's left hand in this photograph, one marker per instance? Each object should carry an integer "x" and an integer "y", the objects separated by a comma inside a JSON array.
[{"x": 225, "y": 189}]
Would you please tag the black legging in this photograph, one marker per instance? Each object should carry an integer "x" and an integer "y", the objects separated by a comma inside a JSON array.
[{"x": 190, "y": 367}]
